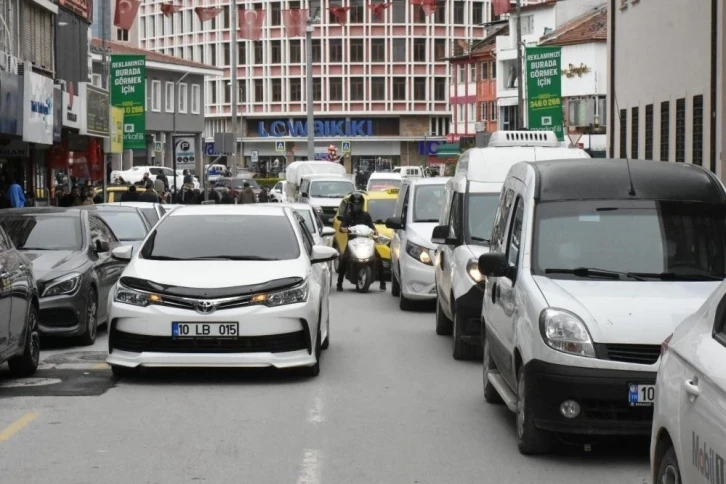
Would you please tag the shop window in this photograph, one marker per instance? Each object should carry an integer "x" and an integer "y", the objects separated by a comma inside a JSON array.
[
  {"x": 680, "y": 131},
  {"x": 665, "y": 130},
  {"x": 697, "y": 130},
  {"x": 649, "y": 132}
]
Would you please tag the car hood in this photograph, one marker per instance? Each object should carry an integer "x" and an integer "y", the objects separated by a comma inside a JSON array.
[
  {"x": 477, "y": 250},
  {"x": 325, "y": 202},
  {"x": 48, "y": 263},
  {"x": 627, "y": 312},
  {"x": 420, "y": 233}
]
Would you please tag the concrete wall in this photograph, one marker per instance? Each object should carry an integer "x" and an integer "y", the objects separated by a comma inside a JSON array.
[
  {"x": 594, "y": 56},
  {"x": 164, "y": 121},
  {"x": 71, "y": 48}
]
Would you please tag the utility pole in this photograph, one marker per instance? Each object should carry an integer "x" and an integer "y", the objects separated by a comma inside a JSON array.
[
  {"x": 309, "y": 85},
  {"x": 104, "y": 85},
  {"x": 520, "y": 80},
  {"x": 233, "y": 90}
]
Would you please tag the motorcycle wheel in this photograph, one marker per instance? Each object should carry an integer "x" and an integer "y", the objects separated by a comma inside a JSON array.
[{"x": 364, "y": 279}]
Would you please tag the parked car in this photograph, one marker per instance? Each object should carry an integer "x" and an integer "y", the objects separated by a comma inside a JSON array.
[
  {"x": 234, "y": 186},
  {"x": 136, "y": 173},
  {"x": 128, "y": 224},
  {"x": 244, "y": 289},
  {"x": 688, "y": 441},
  {"x": 382, "y": 181},
  {"x": 593, "y": 263},
  {"x": 151, "y": 211},
  {"x": 277, "y": 193},
  {"x": 19, "y": 336},
  {"x": 70, "y": 252}
]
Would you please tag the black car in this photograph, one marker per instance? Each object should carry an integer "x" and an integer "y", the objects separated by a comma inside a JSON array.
[
  {"x": 19, "y": 337},
  {"x": 70, "y": 251},
  {"x": 129, "y": 224}
]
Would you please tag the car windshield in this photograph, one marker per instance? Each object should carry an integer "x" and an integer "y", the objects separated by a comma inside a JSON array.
[
  {"x": 481, "y": 209},
  {"x": 239, "y": 183},
  {"x": 222, "y": 237},
  {"x": 307, "y": 215},
  {"x": 43, "y": 232},
  {"x": 331, "y": 189},
  {"x": 381, "y": 184},
  {"x": 125, "y": 225},
  {"x": 380, "y": 210},
  {"x": 640, "y": 239},
  {"x": 427, "y": 203},
  {"x": 151, "y": 215}
]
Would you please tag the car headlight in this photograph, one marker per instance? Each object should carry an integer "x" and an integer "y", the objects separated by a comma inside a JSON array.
[
  {"x": 64, "y": 285},
  {"x": 565, "y": 332},
  {"x": 472, "y": 268},
  {"x": 318, "y": 209},
  {"x": 135, "y": 298},
  {"x": 383, "y": 240},
  {"x": 419, "y": 253},
  {"x": 294, "y": 295}
]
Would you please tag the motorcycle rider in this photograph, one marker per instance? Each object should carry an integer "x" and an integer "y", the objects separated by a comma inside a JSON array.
[{"x": 356, "y": 216}]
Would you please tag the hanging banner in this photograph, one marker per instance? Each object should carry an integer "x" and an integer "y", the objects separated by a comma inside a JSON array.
[
  {"x": 544, "y": 89},
  {"x": 117, "y": 130},
  {"x": 128, "y": 91},
  {"x": 38, "y": 109}
]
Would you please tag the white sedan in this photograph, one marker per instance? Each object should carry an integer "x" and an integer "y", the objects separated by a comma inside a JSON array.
[
  {"x": 222, "y": 286},
  {"x": 688, "y": 443}
]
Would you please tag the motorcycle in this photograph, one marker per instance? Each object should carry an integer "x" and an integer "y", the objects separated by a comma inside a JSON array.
[{"x": 361, "y": 267}]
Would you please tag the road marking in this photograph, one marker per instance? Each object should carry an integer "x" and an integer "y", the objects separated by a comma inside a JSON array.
[
  {"x": 310, "y": 467},
  {"x": 315, "y": 413},
  {"x": 16, "y": 426}
]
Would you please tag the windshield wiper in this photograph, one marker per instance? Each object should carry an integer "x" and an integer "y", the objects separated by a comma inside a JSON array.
[
  {"x": 592, "y": 272},
  {"x": 480, "y": 239},
  {"x": 429, "y": 220},
  {"x": 232, "y": 257},
  {"x": 672, "y": 276}
]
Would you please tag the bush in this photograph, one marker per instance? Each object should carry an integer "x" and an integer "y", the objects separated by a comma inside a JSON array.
[{"x": 268, "y": 182}]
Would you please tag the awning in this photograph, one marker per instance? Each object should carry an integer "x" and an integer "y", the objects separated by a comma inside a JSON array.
[{"x": 448, "y": 150}]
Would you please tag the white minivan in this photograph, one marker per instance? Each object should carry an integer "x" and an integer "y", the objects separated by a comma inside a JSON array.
[
  {"x": 465, "y": 226},
  {"x": 325, "y": 193}
]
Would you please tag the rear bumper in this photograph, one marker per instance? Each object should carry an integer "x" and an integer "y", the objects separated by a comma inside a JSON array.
[
  {"x": 468, "y": 307},
  {"x": 602, "y": 395}
]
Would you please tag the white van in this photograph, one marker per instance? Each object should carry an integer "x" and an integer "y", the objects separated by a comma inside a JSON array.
[
  {"x": 325, "y": 193},
  {"x": 382, "y": 181},
  {"x": 409, "y": 171},
  {"x": 463, "y": 234}
]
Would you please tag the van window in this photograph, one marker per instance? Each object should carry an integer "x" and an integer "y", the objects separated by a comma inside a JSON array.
[
  {"x": 500, "y": 220},
  {"x": 402, "y": 202},
  {"x": 642, "y": 239},
  {"x": 515, "y": 233},
  {"x": 455, "y": 216},
  {"x": 481, "y": 209}
]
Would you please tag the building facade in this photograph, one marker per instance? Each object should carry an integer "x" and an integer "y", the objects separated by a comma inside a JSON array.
[
  {"x": 381, "y": 84},
  {"x": 666, "y": 61}
]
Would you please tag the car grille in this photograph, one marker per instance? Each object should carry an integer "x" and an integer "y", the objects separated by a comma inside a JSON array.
[
  {"x": 58, "y": 318},
  {"x": 640, "y": 354},
  {"x": 615, "y": 411},
  {"x": 277, "y": 343}
]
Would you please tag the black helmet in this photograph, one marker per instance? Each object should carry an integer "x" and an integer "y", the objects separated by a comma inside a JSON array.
[{"x": 356, "y": 201}]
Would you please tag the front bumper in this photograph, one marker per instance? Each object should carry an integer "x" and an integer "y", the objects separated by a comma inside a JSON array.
[
  {"x": 602, "y": 395},
  {"x": 63, "y": 315},
  {"x": 468, "y": 307},
  {"x": 418, "y": 280}
]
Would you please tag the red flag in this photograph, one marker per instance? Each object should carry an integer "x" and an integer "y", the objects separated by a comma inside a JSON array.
[
  {"x": 207, "y": 13},
  {"x": 169, "y": 8},
  {"x": 125, "y": 15},
  {"x": 428, "y": 6},
  {"x": 296, "y": 20},
  {"x": 378, "y": 8},
  {"x": 501, "y": 7},
  {"x": 341, "y": 14},
  {"x": 250, "y": 24}
]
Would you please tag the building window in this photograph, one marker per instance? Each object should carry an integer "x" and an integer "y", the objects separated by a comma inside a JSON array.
[
  {"x": 295, "y": 50},
  {"x": 697, "y": 130},
  {"x": 183, "y": 96},
  {"x": 477, "y": 13},
  {"x": 399, "y": 88},
  {"x": 213, "y": 54},
  {"x": 213, "y": 91},
  {"x": 122, "y": 35},
  {"x": 399, "y": 12},
  {"x": 665, "y": 130},
  {"x": 462, "y": 73},
  {"x": 336, "y": 89},
  {"x": 317, "y": 50},
  {"x": 275, "y": 14},
  {"x": 335, "y": 50},
  {"x": 419, "y": 50},
  {"x": 295, "y": 89},
  {"x": 378, "y": 88},
  {"x": 356, "y": 50},
  {"x": 483, "y": 70},
  {"x": 494, "y": 70},
  {"x": 399, "y": 50},
  {"x": 357, "y": 91},
  {"x": 649, "y": 132},
  {"x": 439, "y": 49},
  {"x": 440, "y": 14},
  {"x": 419, "y": 89},
  {"x": 317, "y": 89},
  {"x": 259, "y": 52},
  {"x": 356, "y": 12},
  {"x": 495, "y": 111},
  {"x": 440, "y": 89},
  {"x": 96, "y": 80},
  {"x": 472, "y": 73},
  {"x": 378, "y": 50},
  {"x": 680, "y": 131},
  {"x": 196, "y": 98},
  {"x": 459, "y": 11},
  {"x": 623, "y": 133},
  {"x": 242, "y": 91},
  {"x": 418, "y": 15},
  {"x": 483, "y": 110},
  {"x": 156, "y": 96},
  {"x": 275, "y": 52},
  {"x": 634, "y": 132},
  {"x": 528, "y": 25},
  {"x": 259, "y": 90},
  {"x": 276, "y": 90}
]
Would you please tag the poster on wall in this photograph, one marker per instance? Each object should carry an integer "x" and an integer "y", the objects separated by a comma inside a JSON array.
[
  {"x": 544, "y": 89},
  {"x": 117, "y": 130},
  {"x": 128, "y": 91},
  {"x": 38, "y": 109},
  {"x": 185, "y": 152}
]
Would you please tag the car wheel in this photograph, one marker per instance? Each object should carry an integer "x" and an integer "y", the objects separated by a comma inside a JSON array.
[
  {"x": 530, "y": 439},
  {"x": 490, "y": 393},
  {"x": 89, "y": 335},
  {"x": 395, "y": 286},
  {"x": 443, "y": 324},
  {"x": 462, "y": 350},
  {"x": 364, "y": 279},
  {"x": 122, "y": 371},
  {"x": 27, "y": 363},
  {"x": 669, "y": 472},
  {"x": 403, "y": 303}
]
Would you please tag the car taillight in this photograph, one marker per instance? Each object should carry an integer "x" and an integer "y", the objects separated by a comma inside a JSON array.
[{"x": 664, "y": 346}]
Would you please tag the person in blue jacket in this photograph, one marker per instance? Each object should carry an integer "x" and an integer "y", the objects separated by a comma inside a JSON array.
[{"x": 16, "y": 194}]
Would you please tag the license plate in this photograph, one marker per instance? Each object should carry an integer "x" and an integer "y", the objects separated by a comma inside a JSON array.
[
  {"x": 204, "y": 330},
  {"x": 641, "y": 395}
]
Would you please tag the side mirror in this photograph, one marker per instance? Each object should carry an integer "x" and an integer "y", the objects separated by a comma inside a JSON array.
[
  {"x": 123, "y": 253},
  {"x": 322, "y": 253},
  {"x": 304, "y": 195},
  {"x": 328, "y": 231},
  {"x": 394, "y": 223},
  {"x": 442, "y": 236},
  {"x": 494, "y": 265},
  {"x": 101, "y": 247}
]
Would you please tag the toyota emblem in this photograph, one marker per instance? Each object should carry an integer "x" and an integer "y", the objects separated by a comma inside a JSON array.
[{"x": 206, "y": 307}]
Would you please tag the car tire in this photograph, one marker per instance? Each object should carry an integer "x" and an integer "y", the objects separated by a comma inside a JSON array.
[
  {"x": 669, "y": 471},
  {"x": 444, "y": 326},
  {"x": 461, "y": 350},
  {"x": 26, "y": 364},
  {"x": 395, "y": 286},
  {"x": 314, "y": 370},
  {"x": 405, "y": 304},
  {"x": 91, "y": 323},
  {"x": 122, "y": 371},
  {"x": 530, "y": 439},
  {"x": 490, "y": 393}
]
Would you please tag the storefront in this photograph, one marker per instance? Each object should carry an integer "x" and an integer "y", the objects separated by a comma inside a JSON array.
[
  {"x": 14, "y": 152},
  {"x": 38, "y": 130}
]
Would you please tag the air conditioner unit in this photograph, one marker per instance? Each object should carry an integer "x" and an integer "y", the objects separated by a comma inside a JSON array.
[{"x": 480, "y": 126}]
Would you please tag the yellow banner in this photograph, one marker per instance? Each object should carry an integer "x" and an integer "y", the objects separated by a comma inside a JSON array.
[{"x": 117, "y": 130}]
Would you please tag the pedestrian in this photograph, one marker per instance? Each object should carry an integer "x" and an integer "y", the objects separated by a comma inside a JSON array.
[
  {"x": 263, "y": 197},
  {"x": 16, "y": 194},
  {"x": 227, "y": 199},
  {"x": 160, "y": 184},
  {"x": 68, "y": 199},
  {"x": 188, "y": 178},
  {"x": 213, "y": 195},
  {"x": 149, "y": 195},
  {"x": 78, "y": 200},
  {"x": 89, "y": 198},
  {"x": 247, "y": 195},
  {"x": 131, "y": 195}
]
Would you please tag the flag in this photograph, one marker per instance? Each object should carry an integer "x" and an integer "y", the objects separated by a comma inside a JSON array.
[
  {"x": 169, "y": 8},
  {"x": 340, "y": 13},
  {"x": 207, "y": 13},
  {"x": 125, "y": 15},
  {"x": 296, "y": 20},
  {"x": 428, "y": 6},
  {"x": 378, "y": 8},
  {"x": 501, "y": 7},
  {"x": 250, "y": 24}
]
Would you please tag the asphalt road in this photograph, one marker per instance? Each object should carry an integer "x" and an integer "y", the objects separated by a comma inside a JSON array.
[{"x": 390, "y": 406}]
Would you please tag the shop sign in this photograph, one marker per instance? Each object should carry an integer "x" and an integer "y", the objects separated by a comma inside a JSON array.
[
  {"x": 185, "y": 152},
  {"x": 128, "y": 91},
  {"x": 428, "y": 148},
  {"x": 96, "y": 103},
  {"x": 11, "y": 97},
  {"x": 544, "y": 89},
  {"x": 71, "y": 108},
  {"x": 38, "y": 109},
  {"x": 328, "y": 128},
  {"x": 14, "y": 149},
  {"x": 82, "y": 8},
  {"x": 57, "y": 114},
  {"x": 117, "y": 130}
]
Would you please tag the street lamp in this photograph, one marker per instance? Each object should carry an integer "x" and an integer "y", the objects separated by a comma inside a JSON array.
[{"x": 309, "y": 27}]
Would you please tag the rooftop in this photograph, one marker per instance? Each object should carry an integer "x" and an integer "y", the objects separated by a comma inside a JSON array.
[
  {"x": 591, "y": 26},
  {"x": 124, "y": 48}
]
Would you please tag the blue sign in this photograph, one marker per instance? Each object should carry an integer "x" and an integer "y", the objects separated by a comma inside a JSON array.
[
  {"x": 280, "y": 146},
  {"x": 345, "y": 147},
  {"x": 428, "y": 148},
  {"x": 209, "y": 149},
  {"x": 326, "y": 128}
]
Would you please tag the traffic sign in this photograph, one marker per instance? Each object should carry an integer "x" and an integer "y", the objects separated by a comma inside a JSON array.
[
  {"x": 209, "y": 149},
  {"x": 255, "y": 156},
  {"x": 280, "y": 146},
  {"x": 157, "y": 146},
  {"x": 345, "y": 147}
]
